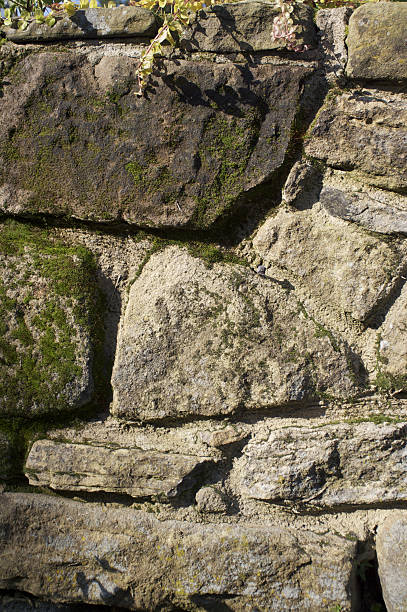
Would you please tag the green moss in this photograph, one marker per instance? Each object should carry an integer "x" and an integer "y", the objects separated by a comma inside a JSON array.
[{"x": 38, "y": 358}]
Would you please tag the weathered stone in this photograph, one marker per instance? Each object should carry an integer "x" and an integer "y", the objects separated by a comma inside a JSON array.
[
  {"x": 377, "y": 210},
  {"x": 199, "y": 341},
  {"x": 209, "y": 499},
  {"x": 245, "y": 26},
  {"x": 22, "y": 602},
  {"x": 68, "y": 551},
  {"x": 184, "y": 153},
  {"x": 121, "y": 21},
  {"x": 303, "y": 185},
  {"x": 49, "y": 322},
  {"x": 377, "y": 42},
  {"x": 131, "y": 471},
  {"x": 345, "y": 464},
  {"x": 332, "y": 24},
  {"x": 338, "y": 263},
  {"x": 391, "y": 347},
  {"x": 370, "y": 135},
  {"x": 391, "y": 546}
]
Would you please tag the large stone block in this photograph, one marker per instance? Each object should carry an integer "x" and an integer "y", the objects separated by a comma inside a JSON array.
[
  {"x": 345, "y": 464},
  {"x": 121, "y": 21},
  {"x": 391, "y": 546},
  {"x": 377, "y": 42},
  {"x": 199, "y": 341},
  {"x": 336, "y": 263},
  {"x": 49, "y": 320},
  {"x": 184, "y": 153},
  {"x": 74, "y": 552},
  {"x": 245, "y": 26},
  {"x": 370, "y": 135}
]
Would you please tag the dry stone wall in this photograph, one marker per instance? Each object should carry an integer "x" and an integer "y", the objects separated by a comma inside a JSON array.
[{"x": 203, "y": 363}]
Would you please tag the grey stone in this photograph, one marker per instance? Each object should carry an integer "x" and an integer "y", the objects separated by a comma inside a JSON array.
[
  {"x": 377, "y": 42},
  {"x": 89, "y": 553},
  {"x": 391, "y": 546},
  {"x": 368, "y": 129},
  {"x": 199, "y": 341},
  {"x": 375, "y": 209},
  {"x": 332, "y": 24},
  {"x": 245, "y": 26},
  {"x": 50, "y": 327},
  {"x": 345, "y": 464},
  {"x": 336, "y": 263},
  {"x": 114, "y": 469},
  {"x": 122, "y": 21}
]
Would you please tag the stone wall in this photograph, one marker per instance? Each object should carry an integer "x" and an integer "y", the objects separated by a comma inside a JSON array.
[{"x": 181, "y": 429}]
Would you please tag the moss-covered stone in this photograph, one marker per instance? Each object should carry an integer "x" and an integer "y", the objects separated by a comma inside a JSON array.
[
  {"x": 79, "y": 142},
  {"x": 49, "y": 323}
]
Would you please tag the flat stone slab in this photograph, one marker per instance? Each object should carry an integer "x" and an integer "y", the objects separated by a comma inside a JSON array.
[
  {"x": 199, "y": 341},
  {"x": 370, "y": 135},
  {"x": 245, "y": 26},
  {"x": 88, "y": 553},
  {"x": 111, "y": 468},
  {"x": 391, "y": 547},
  {"x": 122, "y": 21},
  {"x": 181, "y": 155},
  {"x": 377, "y": 210},
  {"x": 329, "y": 466},
  {"x": 377, "y": 42},
  {"x": 49, "y": 322}
]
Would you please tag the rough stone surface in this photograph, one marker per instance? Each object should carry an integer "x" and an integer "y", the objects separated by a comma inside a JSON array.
[
  {"x": 196, "y": 341},
  {"x": 345, "y": 464},
  {"x": 131, "y": 471},
  {"x": 391, "y": 346},
  {"x": 391, "y": 546},
  {"x": 332, "y": 24},
  {"x": 49, "y": 312},
  {"x": 377, "y": 210},
  {"x": 209, "y": 499},
  {"x": 370, "y": 135},
  {"x": 185, "y": 152},
  {"x": 377, "y": 42},
  {"x": 121, "y": 21},
  {"x": 337, "y": 262},
  {"x": 245, "y": 26},
  {"x": 96, "y": 555}
]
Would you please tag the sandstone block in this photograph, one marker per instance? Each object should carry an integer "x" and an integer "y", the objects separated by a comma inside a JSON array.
[
  {"x": 370, "y": 136},
  {"x": 332, "y": 24},
  {"x": 131, "y": 471},
  {"x": 377, "y": 42},
  {"x": 181, "y": 155},
  {"x": 339, "y": 264},
  {"x": 199, "y": 341},
  {"x": 244, "y": 26},
  {"x": 377, "y": 210},
  {"x": 391, "y": 546},
  {"x": 121, "y": 21},
  {"x": 346, "y": 464},
  {"x": 49, "y": 322},
  {"x": 71, "y": 552},
  {"x": 391, "y": 347},
  {"x": 209, "y": 499}
]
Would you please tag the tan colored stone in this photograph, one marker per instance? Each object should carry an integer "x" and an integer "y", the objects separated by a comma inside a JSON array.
[
  {"x": 199, "y": 341},
  {"x": 122, "y": 21},
  {"x": 75, "y": 552},
  {"x": 391, "y": 546},
  {"x": 335, "y": 262},
  {"x": 245, "y": 26},
  {"x": 391, "y": 347},
  {"x": 377, "y": 42},
  {"x": 324, "y": 465},
  {"x": 332, "y": 24},
  {"x": 209, "y": 499},
  {"x": 370, "y": 135}
]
